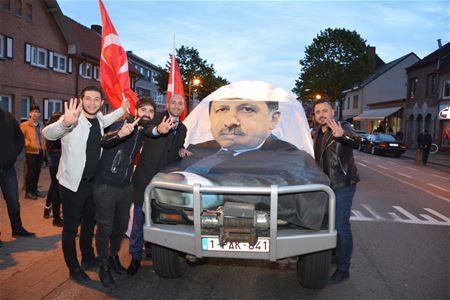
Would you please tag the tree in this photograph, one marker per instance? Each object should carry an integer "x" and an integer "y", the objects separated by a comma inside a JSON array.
[
  {"x": 336, "y": 60},
  {"x": 192, "y": 66}
]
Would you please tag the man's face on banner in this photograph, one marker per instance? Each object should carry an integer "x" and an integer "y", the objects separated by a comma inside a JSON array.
[{"x": 241, "y": 124}]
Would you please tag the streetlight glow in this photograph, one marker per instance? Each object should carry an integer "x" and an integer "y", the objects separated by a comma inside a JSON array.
[{"x": 318, "y": 97}]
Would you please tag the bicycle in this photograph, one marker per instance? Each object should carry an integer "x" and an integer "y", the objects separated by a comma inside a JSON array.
[{"x": 434, "y": 148}]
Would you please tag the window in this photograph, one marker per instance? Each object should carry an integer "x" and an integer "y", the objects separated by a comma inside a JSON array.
[
  {"x": 86, "y": 70},
  {"x": 446, "y": 92},
  {"x": 6, "y": 103},
  {"x": 355, "y": 101},
  {"x": 38, "y": 57},
  {"x": 2, "y": 45},
  {"x": 97, "y": 73},
  {"x": 28, "y": 13},
  {"x": 431, "y": 84},
  {"x": 18, "y": 7},
  {"x": 154, "y": 77},
  {"x": 25, "y": 107},
  {"x": 52, "y": 105},
  {"x": 412, "y": 87},
  {"x": 149, "y": 74},
  {"x": 348, "y": 102},
  {"x": 59, "y": 62},
  {"x": 6, "y": 47},
  {"x": 142, "y": 71}
]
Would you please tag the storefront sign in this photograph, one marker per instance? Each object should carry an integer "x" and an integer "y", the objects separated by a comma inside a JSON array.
[{"x": 444, "y": 112}]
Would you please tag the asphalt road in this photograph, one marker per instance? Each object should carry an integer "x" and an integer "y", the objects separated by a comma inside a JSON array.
[{"x": 401, "y": 231}]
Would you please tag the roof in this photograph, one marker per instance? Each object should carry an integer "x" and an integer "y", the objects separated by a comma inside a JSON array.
[
  {"x": 377, "y": 114},
  {"x": 142, "y": 61},
  {"x": 89, "y": 41},
  {"x": 433, "y": 57}
]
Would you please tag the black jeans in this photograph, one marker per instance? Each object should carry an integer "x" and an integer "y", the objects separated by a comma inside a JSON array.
[
  {"x": 78, "y": 207},
  {"x": 53, "y": 197},
  {"x": 34, "y": 163},
  {"x": 10, "y": 190},
  {"x": 425, "y": 154},
  {"x": 112, "y": 214}
]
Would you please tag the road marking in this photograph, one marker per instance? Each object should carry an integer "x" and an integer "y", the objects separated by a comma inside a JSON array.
[
  {"x": 438, "y": 187},
  {"x": 391, "y": 162},
  {"x": 372, "y": 212},
  {"x": 414, "y": 169},
  {"x": 383, "y": 167},
  {"x": 361, "y": 164},
  {"x": 402, "y": 174},
  {"x": 437, "y": 214},
  {"x": 412, "y": 185},
  {"x": 439, "y": 176},
  {"x": 406, "y": 213},
  {"x": 366, "y": 161}
]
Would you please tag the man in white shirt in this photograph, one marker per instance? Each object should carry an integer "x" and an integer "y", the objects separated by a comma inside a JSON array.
[{"x": 80, "y": 131}]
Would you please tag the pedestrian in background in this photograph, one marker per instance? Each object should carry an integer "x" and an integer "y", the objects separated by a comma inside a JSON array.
[
  {"x": 80, "y": 130},
  {"x": 34, "y": 152},
  {"x": 12, "y": 145},
  {"x": 53, "y": 202},
  {"x": 333, "y": 149},
  {"x": 424, "y": 140}
]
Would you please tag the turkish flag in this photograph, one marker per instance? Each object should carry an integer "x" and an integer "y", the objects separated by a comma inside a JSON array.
[
  {"x": 114, "y": 76},
  {"x": 175, "y": 85}
]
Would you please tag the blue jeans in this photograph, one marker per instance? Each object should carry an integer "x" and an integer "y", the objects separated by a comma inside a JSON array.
[
  {"x": 137, "y": 234},
  {"x": 10, "y": 190},
  {"x": 344, "y": 249}
]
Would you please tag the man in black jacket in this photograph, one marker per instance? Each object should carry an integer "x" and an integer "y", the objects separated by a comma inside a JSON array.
[
  {"x": 12, "y": 145},
  {"x": 157, "y": 152},
  {"x": 333, "y": 148}
]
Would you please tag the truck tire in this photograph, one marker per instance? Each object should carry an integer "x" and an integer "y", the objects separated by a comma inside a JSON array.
[
  {"x": 167, "y": 263},
  {"x": 313, "y": 270}
]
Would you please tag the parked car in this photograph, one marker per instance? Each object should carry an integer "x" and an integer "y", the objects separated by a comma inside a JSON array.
[
  {"x": 362, "y": 134},
  {"x": 380, "y": 143}
]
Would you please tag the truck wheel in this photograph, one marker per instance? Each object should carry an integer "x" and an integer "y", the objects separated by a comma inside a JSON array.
[
  {"x": 167, "y": 263},
  {"x": 313, "y": 270}
]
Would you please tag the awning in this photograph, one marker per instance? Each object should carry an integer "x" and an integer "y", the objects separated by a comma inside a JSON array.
[{"x": 377, "y": 114}]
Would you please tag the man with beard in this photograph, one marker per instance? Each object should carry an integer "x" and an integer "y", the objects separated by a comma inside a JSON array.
[
  {"x": 80, "y": 130},
  {"x": 164, "y": 148},
  {"x": 113, "y": 190},
  {"x": 333, "y": 148}
]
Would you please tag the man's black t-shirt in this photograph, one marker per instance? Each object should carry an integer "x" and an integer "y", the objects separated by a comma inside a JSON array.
[
  {"x": 319, "y": 148},
  {"x": 92, "y": 150}
]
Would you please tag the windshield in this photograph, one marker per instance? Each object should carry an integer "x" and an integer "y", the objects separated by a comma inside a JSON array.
[{"x": 386, "y": 138}]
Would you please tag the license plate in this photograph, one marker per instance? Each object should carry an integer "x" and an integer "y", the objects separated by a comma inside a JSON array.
[
  {"x": 393, "y": 145},
  {"x": 212, "y": 244}
]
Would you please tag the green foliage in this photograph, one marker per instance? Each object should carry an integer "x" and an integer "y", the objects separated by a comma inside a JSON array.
[
  {"x": 336, "y": 60},
  {"x": 192, "y": 66}
]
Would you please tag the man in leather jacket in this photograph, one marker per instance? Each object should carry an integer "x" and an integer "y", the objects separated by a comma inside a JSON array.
[{"x": 333, "y": 148}]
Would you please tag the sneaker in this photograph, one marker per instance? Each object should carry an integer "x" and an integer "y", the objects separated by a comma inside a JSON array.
[
  {"x": 79, "y": 276},
  {"x": 114, "y": 263},
  {"x": 47, "y": 211},
  {"x": 30, "y": 196},
  {"x": 58, "y": 222},
  {"x": 90, "y": 264},
  {"x": 22, "y": 232},
  {"x": 106, "y": 277},
  {"x": 134, "y": 267},
  {"x": 39, "y": 194}
]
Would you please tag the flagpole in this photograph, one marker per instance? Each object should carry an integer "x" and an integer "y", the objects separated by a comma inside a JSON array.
[{"x": 173, "y": 65}]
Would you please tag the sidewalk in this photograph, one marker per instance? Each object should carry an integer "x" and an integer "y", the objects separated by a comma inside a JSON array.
[
  {"x": 440, "y": 159},
  {"x": 33, "y": 268}
]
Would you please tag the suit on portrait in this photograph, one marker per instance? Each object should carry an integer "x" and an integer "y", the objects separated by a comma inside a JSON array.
[{"x": 156, "y": 154}]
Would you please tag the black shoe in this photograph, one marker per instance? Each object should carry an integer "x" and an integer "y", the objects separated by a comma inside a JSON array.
[
  {"x": 47, "y": 210},
  {"x": 58, "y": 222},
  {"x": 30, "y": 196},
  {"x": 79, "y": 276},
  {"x": 39, "y": 194},
  {"x": 22, "y": 232},
  {"x": 90, "y": 264},
  {"x": 134, "y": 267},
  {"x": 106, "y": 277},
  {"x": 338, "y": 276},
  {"x": 115, "y": 264}
]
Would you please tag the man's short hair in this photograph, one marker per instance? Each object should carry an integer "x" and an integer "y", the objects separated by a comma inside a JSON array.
[
  {"x": 271, "y": 105},
  {"x": 322, "y": 101},
  {"x": 145, "y": 100},
  {"x": 34, "y": 107},
  {"x": 92, "y": 88}
]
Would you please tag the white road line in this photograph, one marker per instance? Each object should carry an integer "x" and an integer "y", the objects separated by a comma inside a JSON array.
[
  {"x": 438, "y": 214},
  {"x": 438, "y": 187},
  {"x": 361, "y": 164},
  {"x": 412, "y": 185},
  {"x": 429, "y": 218},
  {"x": 406, "y": 213},
  {"x": 383, "y": 167},
  {"x": 391, "y": 162},
  {"x": 414, "y": 169},
  {"x": 402, "y": 174},
  {"x": 439, "y": 176},
  {"x": 372, "y": 212},
  {"x": 366, "y": 161}
]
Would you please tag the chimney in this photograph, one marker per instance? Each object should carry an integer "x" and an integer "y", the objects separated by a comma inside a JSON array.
[
  {"x": 439, "y": 43},
  {"x": 97, "y": 29}
]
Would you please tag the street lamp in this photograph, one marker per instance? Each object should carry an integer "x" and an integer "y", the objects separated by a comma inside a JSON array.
[{"x": 193, "y": 82}]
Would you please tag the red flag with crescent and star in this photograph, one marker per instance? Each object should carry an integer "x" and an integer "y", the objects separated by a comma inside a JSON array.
[
  {"x": 175, "y": 85},
  {"x": 114, "y": 76}
]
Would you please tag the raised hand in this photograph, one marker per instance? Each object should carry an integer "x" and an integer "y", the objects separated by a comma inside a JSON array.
[
  {"x": 127, "y": 128},
  {"x": 72, "y": 111},
  {"x": 125, "y": 105},
  {"x": 335, "y": 127},
  {"x": 165, "y": 125}
]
